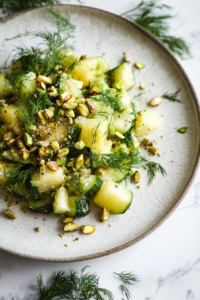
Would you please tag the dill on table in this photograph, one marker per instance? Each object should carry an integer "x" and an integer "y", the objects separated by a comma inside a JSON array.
[
  {"x": 74, "y": 287},
  {"x": 153, "y": 17},
  {"x": 127, "y": 279}
]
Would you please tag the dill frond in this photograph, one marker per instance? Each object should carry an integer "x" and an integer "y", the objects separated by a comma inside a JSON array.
[
  {"x": 153, "y": 168},
  {"x": 147, "y": 14},
  {"x": 172, "y": 97},
  {"x": 12, "y": 6},
  {"x": 17, "y": 175},
  {"x": 28, "y": 109},
  {"x": 73, "y": 287},
  {"x": 95, "y": 133},
  {"x": 138, "y": 97},
  {"x": 125, "y": 291},
  {"x": 128, "y": 278},
  {"x": 108, "y": 98}
]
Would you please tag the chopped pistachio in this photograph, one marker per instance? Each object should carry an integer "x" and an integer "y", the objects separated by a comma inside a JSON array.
[
  {"x": 70, "y": 164},
  {"x": 97, "y": 88},
  {"x": 119, "y": 135},
  {"x": 156, "y": 101},
  {"x": 87, "y": 161},
  {"x": 67, "y": 220},
  {"x": 153, "y": 150},
  {"x": 70, "y": 113},
  {"x": 147, "y": 142},
  {"x": 83, "y": 110},
  {"x": 101, "y": 171},
  {"x": 117, "y": 84},
  {"x": 56, "y": 147},
  {"x": 17, "y": 128},
  {"x": 37, "y": 229},
  {"x": 65, "y": 96},
  {"x": 10, "y": 213},
  {"x": 69, "y": 105},
  {"x": 42, "y": 162},
  {"x": 91, "y": 106},
  {"x": 137, "y": 176},
  {"x": 111, "y": 130},
  {"x": 71, "y": 227},
  {"x": 32, "y": 127},
  {"x": 79, "y": 145},
  {"x": 63, "y": 152},
  {"x": 142, "y": 86},
  {"x": 61, "y": 161},
  {"x": 70, "y": 121},
  {"x": 11, "y": 142},
  {"x": 139, "y": 66},
  {"x": 41, "y": 117},
  {"x": 104, "y": 214},
  {"x": 84, "y": 57},
  {"x": 139, "y": 186},
  {"x": 25, "y": 154},
  {"x": 79, "y": 161},
  {"x": 182, "y": 129},
  {"x": 87, "y": 229},
  {"x": 66, "y": 245},
  {"x": 53, "y": 166},
  {"x": 59, "y": 103},
  {"x": 48, "y": 113},
  {"x": 8, "y": 136},
  {"x": 41, "y": 84},
  {"x": 159, "y": 154},
  {"x": 52, "y": 91},
  {"x": 28, "y": 139},
  {"x": 45, "y": 79}
]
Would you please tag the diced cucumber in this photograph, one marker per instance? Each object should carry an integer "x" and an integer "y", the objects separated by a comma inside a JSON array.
[
  {"x": 69, "y": 58},
  {"x": 9, "y": 115},
  {"x": 100, "y": 82},
  {"x": 114, "y": 197},
  {"x": 111, "y": 174},
  {"x": 76, "y": 206},
  {"x": 124, "y": 99},
  {"x": 125, "y": 73},
  {"x": 45, "y": 181},
  {"x": 26, "y": 84},
  {"x": 19, "y": 191},
  {"x": 14, "y": 158},
  {"x": 71, "y": 85},
  {"x": 43, "y": 206},
  {"x": 90, "y": 185},
  {"x": 90, "y": 68},
  {"x": 57, "y": 133},
  {"x": 4, "y": 167},
  {"x": 5, "y": 86}
]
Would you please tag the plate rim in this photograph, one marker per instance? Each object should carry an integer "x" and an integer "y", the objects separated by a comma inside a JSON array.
[{"x": 194, "y": 171}]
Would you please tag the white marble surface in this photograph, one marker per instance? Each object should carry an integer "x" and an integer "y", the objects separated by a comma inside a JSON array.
[{"x": 168, "y": 261}]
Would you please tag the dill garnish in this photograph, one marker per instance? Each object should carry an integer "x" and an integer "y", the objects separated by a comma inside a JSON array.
[
  {"x": 125, "y": 291},
  {"x": 172, "y": 97},
  {"x": 16, "y": 176},
  {"x": 108, "y": 98},
  {"x": 153, "y": 168},
  {"x": 147, "y": 14},
  {"x": 138, "y": 96},
  {"x": 28, "y": 109},
  {"x": 128, "y": 278},
  {"x": 74, "y": 287},
  {"x": 94, "y": 133}
]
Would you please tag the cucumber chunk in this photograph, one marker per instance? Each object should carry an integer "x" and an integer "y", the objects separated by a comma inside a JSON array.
[
  {"x": 45, "y": 181},
  {"x": 90, "y": 68},
  {"x": 14, "y": 158},
  {"x": 90, "y": 185},
  {"x": 111, "y": 174},
  {"x": 43, "y": 206},
  {"x": 19, "y": 191},
  {"x": 5, "y": 86},
  {"x": 123, "y": 72},
  {"x": 114, "y": 197},
  {"x": 76, "y": 206}
]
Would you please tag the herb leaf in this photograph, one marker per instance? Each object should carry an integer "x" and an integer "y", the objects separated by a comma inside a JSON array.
[
  {"x": 16, "y": 176},
  {"x": 73, "y": 287},
  {"x": 128, "y": 278},
  {"x": 147, "y": 14},
  {"x": 153, "y": 168},
  {"x": 125, "y": 291},
  {"x": 172, "y": 97},
  {"x": 108, "y": 98}
]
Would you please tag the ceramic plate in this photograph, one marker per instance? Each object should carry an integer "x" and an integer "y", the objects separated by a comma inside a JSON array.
[{"x": 99, "y": 32}]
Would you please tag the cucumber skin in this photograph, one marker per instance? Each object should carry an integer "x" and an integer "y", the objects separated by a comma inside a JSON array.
[
  {"x": 47, "y": 208},
  {"x": 34, "y": 193},
  {"x": 6, "y": 159},
  {"x": 128, "y": 205},
  {"x": 82, "y": 208},
  {"x": 95, "y": 188}
]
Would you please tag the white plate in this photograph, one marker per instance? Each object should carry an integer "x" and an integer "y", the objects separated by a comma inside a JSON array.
[{"x": 99, "y": 32}]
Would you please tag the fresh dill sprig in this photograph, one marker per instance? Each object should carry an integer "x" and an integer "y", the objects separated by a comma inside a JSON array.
[
  {"x": 12, "y": 6},
  {"x": 94, "y": 133},
  {"x": 125, "y": 291},
  {"x": 138, "y": 97},
  {"x": 128, "y": 278},
  {"x": 28, "y": 109},
  {"x": 108, "y": 98},
  {"x": 73, "y": 287},
  {"x": 172, "y": 97},
  {"x": 54, "y": 43},
  {"x": 16, "y": 176},
  {"x": 147, "y": 14},
  {"x": 120, "y": 160},
  {"x": 153, "y": 168}
]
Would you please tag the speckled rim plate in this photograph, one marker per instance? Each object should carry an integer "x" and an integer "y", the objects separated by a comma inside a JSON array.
[{"x": 170, "y": 56}]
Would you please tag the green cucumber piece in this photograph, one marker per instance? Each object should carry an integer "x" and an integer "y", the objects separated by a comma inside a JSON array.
[
  {"x": 14, "y": 158},
  {"x": 117, "y": 199},
  {"x": 111, "y": 174},
  {"x": 123, "y": 72},
  {"x": 19, "y": 191},
  {"x": 43, "y": 206},
  {"x": 90, "y": 185},
  {"x": 76, "y": 206},
  {"x": 5, "y": 86}
]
